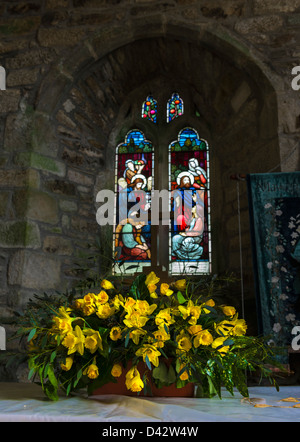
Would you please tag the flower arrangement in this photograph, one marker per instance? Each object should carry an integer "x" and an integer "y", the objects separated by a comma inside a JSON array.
[{"x": 88, "y": 341}]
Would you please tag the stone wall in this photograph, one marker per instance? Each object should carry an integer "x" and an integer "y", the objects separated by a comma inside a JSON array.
[{"x": 72, "y": 68}]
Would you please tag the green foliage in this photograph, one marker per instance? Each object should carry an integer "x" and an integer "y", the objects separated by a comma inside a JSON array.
[{"x": 182, "y": 336}]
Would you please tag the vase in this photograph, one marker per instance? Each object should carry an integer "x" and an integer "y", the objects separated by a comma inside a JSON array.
[{"x": 119, "y": 387}]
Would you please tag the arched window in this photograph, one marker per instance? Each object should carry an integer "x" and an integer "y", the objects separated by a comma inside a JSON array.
[{"x": 157, "y": 228}]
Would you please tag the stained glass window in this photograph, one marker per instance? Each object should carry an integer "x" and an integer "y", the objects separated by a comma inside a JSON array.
[
  {"x": 132, "y": 227},
  {"x": 174, "y": 107},
  {"x": 149, "y": 109},
  {"x": 189, "y": 235}
]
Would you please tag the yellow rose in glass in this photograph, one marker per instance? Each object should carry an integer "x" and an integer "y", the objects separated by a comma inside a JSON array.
[
  {"x": 116, "y": 371},
  {"x": 106, "y": 285}
]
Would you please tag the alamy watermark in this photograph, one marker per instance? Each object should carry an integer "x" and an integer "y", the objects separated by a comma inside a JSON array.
[
  {"x": 296, "y": 80},
  {"x": 185, "y": 201},
  {"x": 296, "y": 340},
  {"x": 2, "y": 338},
  {"x": 2, "y": 79}
]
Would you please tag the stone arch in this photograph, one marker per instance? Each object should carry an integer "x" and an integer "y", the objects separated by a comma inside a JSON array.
[{"x": 83, "y": 100}]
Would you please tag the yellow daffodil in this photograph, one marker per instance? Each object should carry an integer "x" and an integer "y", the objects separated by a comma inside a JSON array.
[
  {"x": 150, "y": 351},
  {"x": 165, "y": 290},
  {"x": 115, "y": 333},
  {"x": 74, "y": 341},
  {"x": 129, "y": 303},
  {"x": 228, "y": 310},
  {"x": 151, "y": 279},
  {"x": 239, "y": 328},
  {"x": 101, "y": 298},
  {"x": 135, "y": 320},
  {"x": 184, "y": 343},
  {"x": 195, "y": 329},
  {"x": 218, "y": 344},
  {"x": 190, "y": 310},
  {"x": 184, "y": 375},
  {"x": 224, "y": 328},
  {"x": 63, "y": 325},
  {"x": 180, "y": 284},
  {"x": 68, "y": 364},
  {"x": 107, "y": 285},
  {"x": 209, "y": 303},
  {"x": 133, "y": 380},
  {"x": 104, "y": 311},
  {"x": 204, "y": 337},
  {"x": 116, "y": 370},
  {"x": 161, "y": 337},
  {"x": 164, "y": 318},
  {"x": 152, "y": 290},
  {"x": 136, "y": 334},
  {"x": 89, "y": 299},
  {"x": 118, "y": 301},
  {"x": 93, "y": 340},
  {"x": 91, "y": 371},
  {"x": 144, "y": 308}
]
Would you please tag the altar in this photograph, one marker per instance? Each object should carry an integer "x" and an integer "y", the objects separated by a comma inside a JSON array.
[{"x": 25, "y": 402}]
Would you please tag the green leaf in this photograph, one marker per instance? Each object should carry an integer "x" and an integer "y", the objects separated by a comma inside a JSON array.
[
  {"x": 127, "y": 339},
  {"x": 51, "y": 377},
  {"x": 148, "y": 362},
  {"x": 53, "y": 356},
  {"x": 181, "y": 299},
  {"x": 31, "y": 373},
  {"x": 31, "y": 334}
]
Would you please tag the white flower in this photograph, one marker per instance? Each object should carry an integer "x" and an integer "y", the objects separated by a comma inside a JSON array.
[
  {"x": 291, "y": 225},
  {"x": 283, "y": 296},
  {"x": 278, "y": 212},
  {"x": 270, "y": 265},
  {"x": 276, "y": 234},
  {"x": 279, "y": 249},
  {"x": 276, "y": 327},
  {"x": 267, "y": 206},
  {"x": 294, "y": 235},
  {"x": 274, "y": 279},
  {"x": 290, "y": 317},
  {"x": 283, "y": 269}
]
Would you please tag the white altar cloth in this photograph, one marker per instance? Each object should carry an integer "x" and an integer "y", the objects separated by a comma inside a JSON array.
[{"x": 25, "y": 402}]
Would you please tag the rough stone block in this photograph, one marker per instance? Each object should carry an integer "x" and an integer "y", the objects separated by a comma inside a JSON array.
[
  {"x": 19, "y": 26},
  {"x": 19, "y": 178},
  {"x": 268, "y": 23},
  {"x": 41, "y": 162},
  {"x": 36, "y": 205},
  {"x": 34, "y": 270},
  {"x": 59, "y": 37},
  {"x": 58, "y": 245},
  {"x": 267, "y": 6},
  {"x": 9, "y": 100},
  {"x": 19, "y": 234}
]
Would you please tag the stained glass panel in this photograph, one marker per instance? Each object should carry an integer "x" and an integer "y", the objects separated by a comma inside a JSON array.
[
  {"x": 174, "y": 107},
  {"x": 132, "y": 228},
  {"x": 149, "y": 109},
  {"x": 189, "y": 235}
]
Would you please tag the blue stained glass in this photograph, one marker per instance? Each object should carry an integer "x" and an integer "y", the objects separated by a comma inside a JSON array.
[
  {"x": 149, "y": 109},
  {"x": 174, "y": 107}
]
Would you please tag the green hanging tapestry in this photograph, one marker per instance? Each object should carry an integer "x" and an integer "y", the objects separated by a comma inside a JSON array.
[{"x": 274, "y": 206}]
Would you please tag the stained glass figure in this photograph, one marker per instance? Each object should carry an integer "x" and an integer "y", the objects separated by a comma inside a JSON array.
[
  {"x": 174, "y": 107},
  {"x": 189, "y": 235},
  {"x": 133, "y": 183},
  {"x": 149, "y": 109}
]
